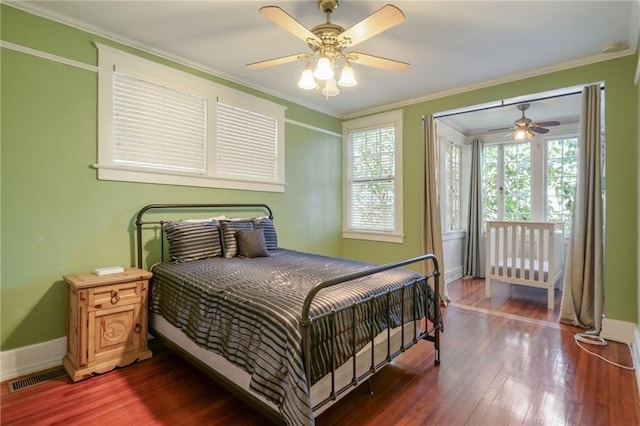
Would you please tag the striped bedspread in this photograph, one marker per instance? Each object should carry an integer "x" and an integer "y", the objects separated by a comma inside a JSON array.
[{"x": 248, "y": 310}]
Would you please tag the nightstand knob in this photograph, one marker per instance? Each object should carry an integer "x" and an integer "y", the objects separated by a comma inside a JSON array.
[
  {"x": 137, "y": 328},
  {"x": 114, "y": 297}
]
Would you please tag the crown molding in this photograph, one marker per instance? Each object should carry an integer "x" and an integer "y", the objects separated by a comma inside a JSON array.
[{"x": 601, "y": 57}]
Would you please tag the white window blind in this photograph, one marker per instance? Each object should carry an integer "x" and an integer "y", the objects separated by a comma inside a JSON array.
[
  {"x": 247, "y": 144},
  {"x": 158, "y": 127},
  {"x": 371, "y": 180}
]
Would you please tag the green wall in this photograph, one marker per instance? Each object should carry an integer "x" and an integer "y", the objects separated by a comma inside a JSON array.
[
  {"x": 621, "y": 120},
  {"x": 57, "y": 218}
]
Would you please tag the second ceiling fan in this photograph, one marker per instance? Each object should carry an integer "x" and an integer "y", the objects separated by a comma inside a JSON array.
[
  {"x": 524, "y": 128},
  {"x": 328, "y": 42}
]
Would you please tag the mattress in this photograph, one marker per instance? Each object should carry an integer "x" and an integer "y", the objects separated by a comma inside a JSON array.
[{"x": 523, "y": 273}]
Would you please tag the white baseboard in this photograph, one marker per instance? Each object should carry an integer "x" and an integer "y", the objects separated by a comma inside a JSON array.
[
  {"x": 453, "y": 274},
  {"x": 30, "y": 359},
  {"x": 618, "y": 331}
]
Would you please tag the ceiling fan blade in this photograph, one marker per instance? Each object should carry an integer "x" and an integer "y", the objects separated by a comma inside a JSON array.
[
  {"x": 381, "y": 20},
  {"x": 546, "y": 123},
  {"x": 540, "y": 130},
  {"x": 377, "y": 61},
  {"x": 277, "y": 61},
  {"x": 289, "y": 23},
  {"x": 500, "y": 129}
]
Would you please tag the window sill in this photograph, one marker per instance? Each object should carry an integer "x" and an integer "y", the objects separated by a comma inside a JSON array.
[
  {"x": 453, "y": 235},
  {"x": 131, "y": 174},
  {"x": 386, "y": 237}
]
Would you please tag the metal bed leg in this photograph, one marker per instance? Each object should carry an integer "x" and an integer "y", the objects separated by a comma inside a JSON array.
[{"x": 369, "y": 386}]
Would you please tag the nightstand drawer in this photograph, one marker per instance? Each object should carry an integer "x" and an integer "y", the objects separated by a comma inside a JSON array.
[{"x": 115, "y": 295}]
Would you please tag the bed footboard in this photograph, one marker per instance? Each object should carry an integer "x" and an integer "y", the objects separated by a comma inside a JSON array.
[{"x": 419, "y": 330}]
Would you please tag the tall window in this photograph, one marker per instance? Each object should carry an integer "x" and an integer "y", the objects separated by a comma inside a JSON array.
[
  {"x": 373, "y": 187},
  {"x": 491, "y": 182},
  {"x": 516, "y": 181},
  {"x": 454, "y": 183},
  {"x": 530, "y": 181},
  {"x": 161, "y": 125},
  {"x": 561, "y": 175}
]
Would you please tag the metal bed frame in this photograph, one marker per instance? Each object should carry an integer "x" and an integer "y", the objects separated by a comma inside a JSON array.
[{"x": 427, "y": 333}]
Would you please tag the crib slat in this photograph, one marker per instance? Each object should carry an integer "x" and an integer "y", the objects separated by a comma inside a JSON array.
[
  {"x": 523, "y": 253},
  {"x": 505, "y": 250},
  {"x": 541, "y": 245}
]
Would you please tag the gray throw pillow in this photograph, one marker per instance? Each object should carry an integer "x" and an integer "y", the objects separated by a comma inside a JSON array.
[{"x": 251, "y": 243}]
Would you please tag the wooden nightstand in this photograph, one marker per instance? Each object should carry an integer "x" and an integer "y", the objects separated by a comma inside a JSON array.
[{"x": 106, "y": 321}]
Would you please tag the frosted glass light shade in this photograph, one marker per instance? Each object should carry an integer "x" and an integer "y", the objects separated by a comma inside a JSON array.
[
  {"x": 347, "y": 78},
  {"x": 331, "y": 89},
  {"x": 522, "y": 134},
  {"x": 307, "y": 81},
  {"x": 323, "y": 69}
]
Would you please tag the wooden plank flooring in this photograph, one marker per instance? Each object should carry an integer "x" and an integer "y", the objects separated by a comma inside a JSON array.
[{"x": 497, "y": 369}]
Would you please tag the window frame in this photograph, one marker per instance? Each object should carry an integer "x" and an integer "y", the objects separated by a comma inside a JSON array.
[
  {"x": 539, "y": 181},
  {"x": 547, "y": 139},
  {"x": 453, "y": 188},
  {"x": 378, "y": 121},
  {"x": 110, "y": 60}
]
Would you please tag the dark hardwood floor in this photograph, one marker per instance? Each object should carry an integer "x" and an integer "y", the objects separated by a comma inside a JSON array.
[
  {"x": 504, "y": 361},
  {"x": 507, "y": 299}
]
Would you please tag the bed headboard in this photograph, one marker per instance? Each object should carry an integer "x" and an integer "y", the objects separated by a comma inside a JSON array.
[{"x": 177, "y": 209}]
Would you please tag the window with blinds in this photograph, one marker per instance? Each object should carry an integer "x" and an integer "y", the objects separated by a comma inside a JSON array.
[
  {"x": 371, "y": 173},
  {"x": 160, "y": 125},
  {"x": 246, "y": 144}
]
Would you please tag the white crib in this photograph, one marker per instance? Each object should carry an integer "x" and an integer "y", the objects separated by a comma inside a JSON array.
[{"x": 525, "y": 253}]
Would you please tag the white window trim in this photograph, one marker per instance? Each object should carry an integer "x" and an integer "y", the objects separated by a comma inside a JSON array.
[
  {"x": 394, "y": 119},
  {"x": 154, "y": 72},
  {"x": 447, "y": 136},
  {"x": 538, "y": 168}
]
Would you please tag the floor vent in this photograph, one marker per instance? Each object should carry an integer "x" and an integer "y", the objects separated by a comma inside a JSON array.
[{"x": 36, "y": 378}]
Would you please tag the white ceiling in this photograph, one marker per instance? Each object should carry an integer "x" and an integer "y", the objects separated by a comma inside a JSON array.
[{"x": 451, "y": 45}]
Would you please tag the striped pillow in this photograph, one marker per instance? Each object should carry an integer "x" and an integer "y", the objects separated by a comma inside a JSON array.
[
  {"x": 270, "y": 236},
  {"x": 229, "y": 229},
  {"x": 193, "y": 240}
]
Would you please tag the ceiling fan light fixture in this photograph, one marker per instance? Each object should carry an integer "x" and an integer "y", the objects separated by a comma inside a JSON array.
[
  {"x": 328, "y": 41},
  {"x": 307, "y": 81},
  {"x": 347, "y": 79},
  {"x": 331, "y": 88},
  {"x": 522, "y": 134},
  {"x": 323, "y": 71}
]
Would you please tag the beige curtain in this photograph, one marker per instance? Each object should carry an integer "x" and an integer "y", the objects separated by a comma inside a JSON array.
[
  {"x": 474, "y": 246},
  {"x": 431, "y": 226},
  {"x": 582, "y": 295}
]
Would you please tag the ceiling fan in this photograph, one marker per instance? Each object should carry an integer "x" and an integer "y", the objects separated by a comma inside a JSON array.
[
  {"x": 524, "y": 128},
  {"x": 328, "y": 42}
]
